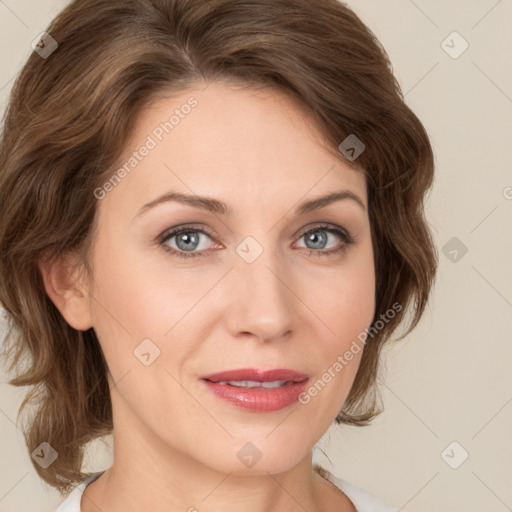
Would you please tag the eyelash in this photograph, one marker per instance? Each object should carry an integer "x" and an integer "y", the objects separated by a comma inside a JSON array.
[{"x": 344, "y": 235}]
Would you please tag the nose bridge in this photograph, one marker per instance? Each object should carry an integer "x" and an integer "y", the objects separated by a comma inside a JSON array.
[{"x": 261, "y": 302}]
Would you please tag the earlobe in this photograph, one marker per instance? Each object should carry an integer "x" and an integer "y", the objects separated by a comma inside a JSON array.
[{"x": 64, "y": 287}]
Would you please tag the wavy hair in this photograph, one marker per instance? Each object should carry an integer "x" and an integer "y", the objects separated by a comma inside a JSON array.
[{"x": 70, "y": 114}]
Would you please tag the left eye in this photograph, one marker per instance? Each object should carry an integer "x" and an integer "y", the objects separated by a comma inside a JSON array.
[
  {"x": 188, "y": 241},
  {"x": 312, "y": 236}
]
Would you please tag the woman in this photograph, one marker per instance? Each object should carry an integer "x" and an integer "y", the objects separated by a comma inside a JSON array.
[{"x": 213, "y": 220}]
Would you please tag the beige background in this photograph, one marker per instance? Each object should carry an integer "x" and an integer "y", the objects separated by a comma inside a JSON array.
[{"x": 450, "y": 380}]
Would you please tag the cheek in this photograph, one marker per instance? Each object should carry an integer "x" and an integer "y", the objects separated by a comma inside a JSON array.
[
  {"x": 127, "y": 290},
  {"x": 345, "y": 298},
  {"x": 134, "y": 309},
  {"x": 126, "y": 306},
  {"x": 345, "y": 305},
  {"x": 139, "y": 297}
]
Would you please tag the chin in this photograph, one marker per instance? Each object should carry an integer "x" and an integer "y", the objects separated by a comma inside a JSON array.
[{"x": 252, "y": 459}]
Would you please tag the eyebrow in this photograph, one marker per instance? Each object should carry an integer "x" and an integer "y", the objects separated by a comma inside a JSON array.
[{"x": 221, "y": 208}]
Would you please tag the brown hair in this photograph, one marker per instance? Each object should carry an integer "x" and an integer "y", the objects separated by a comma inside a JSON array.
[{"x": 71, "y": 113}]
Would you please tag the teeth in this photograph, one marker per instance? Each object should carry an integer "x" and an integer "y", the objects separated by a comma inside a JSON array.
[{"x": 255, "y": 384}]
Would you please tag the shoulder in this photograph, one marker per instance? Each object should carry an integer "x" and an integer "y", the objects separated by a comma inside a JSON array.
[
  {"x": 72, "y": 502},
  {"x": 363, "y": 501}
]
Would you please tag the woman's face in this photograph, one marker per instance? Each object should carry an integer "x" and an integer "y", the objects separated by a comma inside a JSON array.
[{"x": 262, "y": 287}]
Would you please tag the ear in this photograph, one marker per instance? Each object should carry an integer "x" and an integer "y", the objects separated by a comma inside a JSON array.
[{"x": 62, "y": 281}]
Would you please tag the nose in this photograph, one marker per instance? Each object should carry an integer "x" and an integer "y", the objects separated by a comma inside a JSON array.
[{"x": 260, "y": 298}]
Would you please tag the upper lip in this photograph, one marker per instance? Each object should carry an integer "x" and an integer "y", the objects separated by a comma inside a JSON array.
[{"x": 257, "y": 375}]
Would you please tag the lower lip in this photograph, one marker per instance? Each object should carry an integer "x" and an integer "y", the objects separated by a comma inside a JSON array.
[{"x": 258, "y": 399}]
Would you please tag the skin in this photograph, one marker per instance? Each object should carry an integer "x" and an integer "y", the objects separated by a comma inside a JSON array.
[{"x": 175, "y": 443}]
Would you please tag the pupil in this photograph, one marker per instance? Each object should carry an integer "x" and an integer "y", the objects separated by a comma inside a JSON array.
[
  {"x": 188, "y": 238},
  {"x": 314, "y": 236}
]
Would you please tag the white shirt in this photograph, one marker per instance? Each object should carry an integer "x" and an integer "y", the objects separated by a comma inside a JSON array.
[{"x": 362, "y": 500}]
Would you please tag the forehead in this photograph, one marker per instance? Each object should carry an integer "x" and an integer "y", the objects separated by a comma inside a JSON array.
[{"x": 224, "y": 140}]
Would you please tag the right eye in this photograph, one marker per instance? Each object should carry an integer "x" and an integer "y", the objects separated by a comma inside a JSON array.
[{"x": 187, "y": 240}]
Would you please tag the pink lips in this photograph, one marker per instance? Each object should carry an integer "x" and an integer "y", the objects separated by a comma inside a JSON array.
[{"x": 257, "y": 399}]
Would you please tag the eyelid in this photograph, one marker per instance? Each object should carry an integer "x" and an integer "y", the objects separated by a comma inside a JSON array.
[
  {"x": 323, "y": 226},
  {"x": 184, "y": 227}
]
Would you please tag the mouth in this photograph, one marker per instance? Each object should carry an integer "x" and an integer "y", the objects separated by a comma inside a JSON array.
[{"x": 257, "y": 390}]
